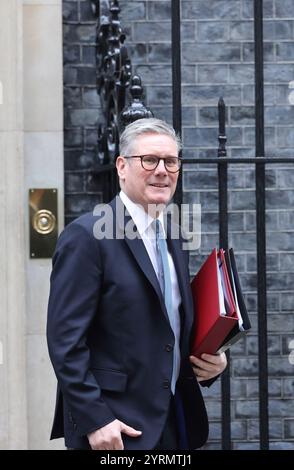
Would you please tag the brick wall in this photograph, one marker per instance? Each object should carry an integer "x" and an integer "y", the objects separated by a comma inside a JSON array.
[
  {"x": 217, "y": 59},
  {"x": 81, "y": 108}
]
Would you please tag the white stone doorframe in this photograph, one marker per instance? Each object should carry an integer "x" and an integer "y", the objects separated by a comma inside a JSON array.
[
  {"x": 31, "y": 156},
  {"x": 13, "y": 410}
]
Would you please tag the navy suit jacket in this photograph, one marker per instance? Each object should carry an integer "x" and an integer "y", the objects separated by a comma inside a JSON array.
[{"x": 110, "y": 341}]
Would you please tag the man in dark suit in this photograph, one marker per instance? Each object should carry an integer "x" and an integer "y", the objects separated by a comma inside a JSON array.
[{"x": 120, "y": 314}]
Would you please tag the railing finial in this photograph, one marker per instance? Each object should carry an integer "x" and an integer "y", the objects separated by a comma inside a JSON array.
[{"x": 136, "y": 109}]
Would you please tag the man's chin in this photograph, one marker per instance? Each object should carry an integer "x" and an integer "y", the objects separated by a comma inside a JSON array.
[
  {"x": 161, "y": 196},
  {"x": 159, "y": 201}
]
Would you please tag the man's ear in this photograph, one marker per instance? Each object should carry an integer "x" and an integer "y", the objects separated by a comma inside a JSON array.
[{"x": 120, "y": 166}]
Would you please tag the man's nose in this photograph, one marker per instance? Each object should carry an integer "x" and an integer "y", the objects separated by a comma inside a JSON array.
[{"x": 161, "y": 167}]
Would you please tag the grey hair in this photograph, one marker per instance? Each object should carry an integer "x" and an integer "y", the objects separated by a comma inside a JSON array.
[{"x": 145, "y": 126}]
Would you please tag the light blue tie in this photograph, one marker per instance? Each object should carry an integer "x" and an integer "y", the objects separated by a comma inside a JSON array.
[{"x": 166, "y": 287}]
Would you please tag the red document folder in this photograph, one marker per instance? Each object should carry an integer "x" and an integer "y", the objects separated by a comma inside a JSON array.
[{"x": 210, "y": 326}]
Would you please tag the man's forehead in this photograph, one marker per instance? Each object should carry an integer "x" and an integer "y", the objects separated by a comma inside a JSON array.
[
  {"x": 153, "y": 136},
  {"x": 155, "y": 141}
]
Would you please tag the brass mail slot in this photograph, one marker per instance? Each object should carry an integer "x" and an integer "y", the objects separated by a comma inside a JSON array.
[{"x": 43, "y": 222}]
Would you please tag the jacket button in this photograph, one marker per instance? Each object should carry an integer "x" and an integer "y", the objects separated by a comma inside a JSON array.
[
  {"x": 168, "y": 347},
  {"x": 166, "y": 384}
]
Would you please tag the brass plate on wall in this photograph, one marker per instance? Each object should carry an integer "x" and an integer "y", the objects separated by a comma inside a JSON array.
[{"x": 43, "y": 222}]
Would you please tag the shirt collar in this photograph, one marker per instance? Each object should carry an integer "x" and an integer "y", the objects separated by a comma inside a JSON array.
[{"x": 141, "y": 219}]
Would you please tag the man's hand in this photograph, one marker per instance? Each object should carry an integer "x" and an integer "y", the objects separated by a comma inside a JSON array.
[
  {"x": 109, "y": 437},
  {"x": 209, "y": 366}
]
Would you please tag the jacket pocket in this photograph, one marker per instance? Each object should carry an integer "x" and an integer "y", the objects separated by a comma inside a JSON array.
[{"x": 111, "y": 380}]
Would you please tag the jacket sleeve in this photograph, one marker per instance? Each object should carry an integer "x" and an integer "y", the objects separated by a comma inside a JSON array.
[{"x": 74, "y": 295}]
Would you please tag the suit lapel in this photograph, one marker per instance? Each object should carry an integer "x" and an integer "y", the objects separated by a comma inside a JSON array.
[{"x": 128, "y": 232}]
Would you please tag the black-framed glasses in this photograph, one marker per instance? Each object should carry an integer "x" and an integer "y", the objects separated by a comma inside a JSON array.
[{"x": 150, "y": 162}]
